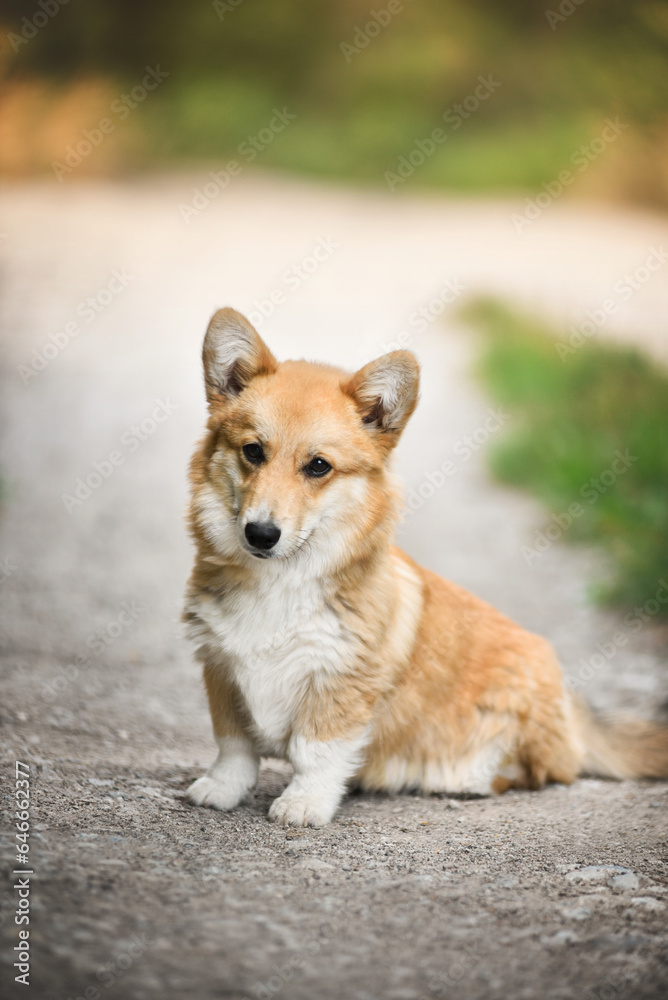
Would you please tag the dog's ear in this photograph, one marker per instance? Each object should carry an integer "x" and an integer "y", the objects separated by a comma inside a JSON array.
[
  {"x": 386, "y": 393},
  {"x": 233, "y": 354}
]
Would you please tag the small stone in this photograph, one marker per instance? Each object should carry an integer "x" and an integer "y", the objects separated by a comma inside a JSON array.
[
  {"x": 561, "y": 938},
  {"x": 595, "y": 874},
  {"x": 316, "y": 865},
  {"x": 453, "y": 804},
  {"x": 577, "y": 912},
  {"x": 624, "y": 883}
]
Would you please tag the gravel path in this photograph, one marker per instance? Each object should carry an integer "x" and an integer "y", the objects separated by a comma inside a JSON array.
[{"x": 136, "y": 895}]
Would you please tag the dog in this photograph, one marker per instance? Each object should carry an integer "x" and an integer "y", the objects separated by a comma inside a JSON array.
[{"x": 324, "y": 644}]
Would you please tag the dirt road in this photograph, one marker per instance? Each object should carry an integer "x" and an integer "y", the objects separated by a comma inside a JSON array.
[{"x": 136, "y": 895}]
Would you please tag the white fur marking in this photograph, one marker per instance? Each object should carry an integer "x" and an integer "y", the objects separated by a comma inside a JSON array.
[
  {"x": 230, "y": 778},
  {"x": 322, "y": 770},
  {"x": 274, "y": 639}
]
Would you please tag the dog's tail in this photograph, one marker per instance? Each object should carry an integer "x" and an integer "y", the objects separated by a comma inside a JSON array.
[{"x": 621, "y": 746}]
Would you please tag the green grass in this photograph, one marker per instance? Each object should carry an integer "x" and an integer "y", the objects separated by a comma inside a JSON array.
[
  {"x": 207, "y": 120},
  {"x": 571, "y": 414}
]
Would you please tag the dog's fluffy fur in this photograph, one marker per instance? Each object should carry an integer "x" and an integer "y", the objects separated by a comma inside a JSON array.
[{"x": 335, "y": 650}]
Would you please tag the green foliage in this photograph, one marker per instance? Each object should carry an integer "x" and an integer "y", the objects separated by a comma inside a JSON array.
[
  {"x": 231, "y": 62},
  {"x": 572, "y": 413}
]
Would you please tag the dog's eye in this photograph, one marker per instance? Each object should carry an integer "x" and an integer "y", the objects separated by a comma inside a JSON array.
[
  {"x": 317, "y": 467},
  {"x": 254, "y": 453}
]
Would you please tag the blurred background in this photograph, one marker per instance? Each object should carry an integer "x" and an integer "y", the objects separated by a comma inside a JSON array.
[
  {"x": 363, "y": 88},
  {"x": 517, "y": 112}
]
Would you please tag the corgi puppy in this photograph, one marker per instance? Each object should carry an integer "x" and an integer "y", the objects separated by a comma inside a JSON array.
[{"x": 324, "y": 644}]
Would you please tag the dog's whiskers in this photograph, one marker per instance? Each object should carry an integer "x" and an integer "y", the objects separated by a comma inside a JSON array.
[{"x": 304, "y": 541}]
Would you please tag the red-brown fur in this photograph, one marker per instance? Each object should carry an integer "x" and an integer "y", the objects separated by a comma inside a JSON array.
[{"x": 442, "y": 691}]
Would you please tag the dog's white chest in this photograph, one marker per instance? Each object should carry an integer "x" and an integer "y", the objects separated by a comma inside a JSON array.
[{"x": 276, "y": 639}]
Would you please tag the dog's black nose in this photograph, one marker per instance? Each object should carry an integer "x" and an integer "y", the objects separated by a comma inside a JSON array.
[{"x": 262, "y": 534}]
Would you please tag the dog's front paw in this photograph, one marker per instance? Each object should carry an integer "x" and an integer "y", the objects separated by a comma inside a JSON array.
[
  {"x": 223, "y": 795},
  {"x": 298, "y": 809}
]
